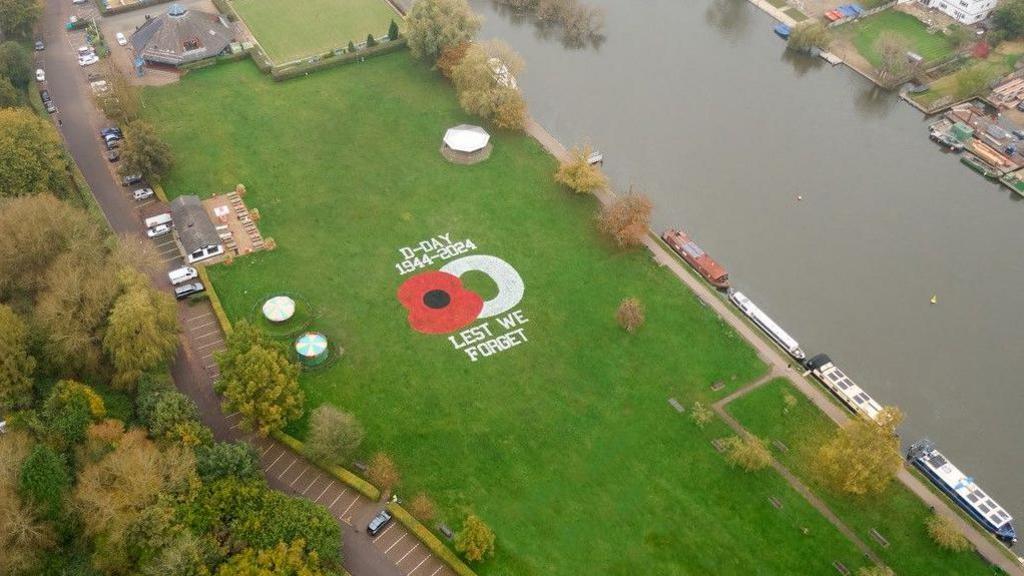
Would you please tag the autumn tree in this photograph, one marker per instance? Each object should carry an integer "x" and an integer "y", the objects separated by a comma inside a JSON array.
[
  {"x": 748, "y": 453},
  {"x": 68, "y": 412},
  {"x": 476, "y": 540},
  {"x": 334, "y": 435},
  {"x": 422, "y": 507},
  {"x": 433, "y": 25},
  {"x": 258, "y": 380},
  {"x": 578, "y": 174},
  {"x": 450, "y": 58},
  {"x": 807, "y": 35},
  {"x": 15, "y": 64},
  {"x": 16, "y": 365},
  {"x": 17, "y": 17},
  {"x": 383, "y": 472},
  {"x": 630, "y": 315},
  {"x": 626, "y": 219},
  {"x": 121, "y": 102},
  {"x": 864, "y": 454},
  {"x": 701, "y": 414},
  {"x": 31, "y": 155},
  {"x": 142, "y": 332},
  {"x": 945, "y": 533},
  {"x": 144, "y": 152},
  {"x": 281, "y": 560},
  {"x": 24, "y": 536},
  {"x": 892, "y": 52},
  {"x": 485, "y": 82}
]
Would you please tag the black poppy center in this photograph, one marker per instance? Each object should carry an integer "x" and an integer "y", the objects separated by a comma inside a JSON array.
[{"x": 437, "y": 299}]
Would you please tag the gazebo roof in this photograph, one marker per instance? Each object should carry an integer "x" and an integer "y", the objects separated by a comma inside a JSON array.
[
  {"x": 180, "y": 35},
  {"x": 466, "y": 138}
]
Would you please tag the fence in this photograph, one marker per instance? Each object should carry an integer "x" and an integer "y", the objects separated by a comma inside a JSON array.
[{"x": 332, "y": 59}]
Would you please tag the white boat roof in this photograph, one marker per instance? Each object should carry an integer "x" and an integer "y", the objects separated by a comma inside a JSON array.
[
  {"x": 752, "y": 309},
  {"x": 964, "y": 485},
  {"x": 849, "y": 388}
]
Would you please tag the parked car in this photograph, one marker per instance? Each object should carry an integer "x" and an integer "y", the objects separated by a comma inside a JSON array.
[
  {"x": 183, "y": 274},
  {"x": 142, "y": 193},
  {"x": 131, "y": 179},
  {"x": 88, "y": 60},
  {"x": 158, "y": 230},
  {"x": 152, "y": 221},
  {"x": 110, "y": 130},
  {"x": 121, "y": 40},
  {"x": 40, "y": 46},
  {"x": 113, "y": 155},
  {"x": 186, "y": 290},
  {"x": 84, "y": 51},
  {"x": 378, "y": 523},
  {"x": 44, "y": 95},
  {"x": 112, "y": 144},
  {"x": 79, "y": 1},
  {"x": 51, "y": 108},
  {"x": 40, "y": 75}
]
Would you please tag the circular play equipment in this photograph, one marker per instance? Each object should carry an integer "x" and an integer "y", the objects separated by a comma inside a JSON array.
[
  {"x": 279, "y": 309},
  {"x": 312, "y": 348}
]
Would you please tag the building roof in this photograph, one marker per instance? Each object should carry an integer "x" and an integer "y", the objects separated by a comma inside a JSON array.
[
  {"x": 179, "y": 36},
  {"x": 192, "y": 224},
  {"x": 466, "y": 138}
]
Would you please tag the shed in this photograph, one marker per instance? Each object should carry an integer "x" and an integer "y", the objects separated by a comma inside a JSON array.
[{"x": 195, "y": 232}]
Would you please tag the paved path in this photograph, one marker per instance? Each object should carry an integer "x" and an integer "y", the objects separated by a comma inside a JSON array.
[{"x": 781, "y": 365}]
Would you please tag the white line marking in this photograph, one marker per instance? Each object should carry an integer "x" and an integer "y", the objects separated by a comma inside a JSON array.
[
  {"x": 207, "y": 345},
  {"x": 381, "y": 535},
  {"x": 207, "y": 335},
  {"x": 395, "y": 543},
  {"x": 350, "y": 506},
  {"x": 322, "y": 493},
  {"x": 275, "y": 461},
  {"x": 301, "y": 474},
  {"x": 310, "y": 484},
  {"x": 166, "y": 260},
  {"x": 286, "y": 469},
  {"x": 236, "y": 425},
  {"x": 435, "y": 571},
  {"x": 427, "y": 557},
  {"x": 200, "y": 317},
  {"x": 232, "y": 415},
  {"x": 269, "y": 448},
  {"x": 336, "y": 498},
  {"x": 407, "y": 553},
  {"x": 210, "y": 355},
  {"x": 210, "y": 366},
  {"x": 192, "y": 328}
]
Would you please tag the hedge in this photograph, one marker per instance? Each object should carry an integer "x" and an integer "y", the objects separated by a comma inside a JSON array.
[
  {"x": 429, "y": 540},
  {"x": 329, "y": 60},
  {"x": 361, "y": 486},
  {"x": 218, "y": 308}
]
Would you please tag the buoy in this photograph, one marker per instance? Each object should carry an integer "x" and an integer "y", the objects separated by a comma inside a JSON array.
[
  {"x": 935, "y": 299},
  {"x": 799, "y": 197}
]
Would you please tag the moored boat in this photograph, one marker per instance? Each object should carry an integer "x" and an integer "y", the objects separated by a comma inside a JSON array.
[
  {"x": 962, "y": 490},
  {"x": 765, "y": 323},
  {"x": 845, "y": 389},
  {"x": 688, "y": 250}
]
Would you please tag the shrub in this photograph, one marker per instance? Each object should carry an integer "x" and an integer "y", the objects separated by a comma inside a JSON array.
[
  {"x": 630, "y": 315},
  {"x": 945, "y": 533},
  {"x": 578, "y": 174},
  {"x": 383, "y": 472},
  {"x": 227, "y": 460},
  {"x": 393, "y": 31},
  {"x": 370, "y": 41},
  {"x": 476, "y": 540},
  {"x": 748, "y": 453},
  {"x": 351, "y": 46},
  {"x": 422, "y": 507},
  {"x": 334, "y": 435},
  {"x": 626, "y": 219},
  {"x": 701, "y": 415}
]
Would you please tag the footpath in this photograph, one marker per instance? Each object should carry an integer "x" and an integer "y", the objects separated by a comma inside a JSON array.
[{"x": 780, "y": 366}]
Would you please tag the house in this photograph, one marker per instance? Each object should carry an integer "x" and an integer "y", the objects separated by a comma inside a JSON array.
[
  {"x": 196, "y": 234},
  {"x": 180, "y": 36},
  {"x": 964, "y": 11}
]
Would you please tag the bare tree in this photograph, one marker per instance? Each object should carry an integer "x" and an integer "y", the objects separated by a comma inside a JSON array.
[
  {"x": 627, "y": 219},
  {"x": 630, "y": 315},
  {"x": 892, "y": 50}
]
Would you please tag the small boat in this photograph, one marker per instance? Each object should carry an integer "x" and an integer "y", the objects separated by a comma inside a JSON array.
[
  {"x": 782, "y": 31},
  {"x": 935, "y": 299},
  {"x": 692, "y": 254},
  {"x": 765, "y": 323},
  {"x": 972, "y": 162}
]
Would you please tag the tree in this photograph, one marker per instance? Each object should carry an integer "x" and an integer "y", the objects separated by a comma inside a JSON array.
[
  {"x": 578, "y": 174},
  {"x": 227, "y": 460},
  {"x": 142, "y": 333},
  {"x": 9, "y": 95},
  {"x": 701, "y": 415},
  {"x": 17, "y": 17},
  {"x": 581, "y": 23},
  {"x": 370, "y": 41},
  {"x": 121, "y": 101},
  {"x": 433, "y": 25},
  {"x": 945, "y": 533},
  {"x": 259, "y": 381},
  {"x": 175, "y": 418},
  {"x": 16, "y": 365},
  {"x": 748, "y": 453},
  {"x": 43, "y": 480},
  {"x": 24, "y": 537},
  {"x": 69, "y": 410},
  {"x": 875, "y": 571},
  {"x": 1009, "y": 17},
  {"x": 31, "y": 155},
  {"x": 422, "y": 508},
  {"x": 630, "y": 315},
  {"x": 450, "y": 58},
  {"x": 864, "y": 455},
  {"x": 143, "y": 152},
  {"x": 15, "y": 63},
  {"x": 281, "y": 560},
  {"x": 476, "y": 540},
  {"x": 334, "y": 435},
  {"x": 351, "y": 46},
  {"x": 383, "y": 472},
  {"x": 807, "y": 35},
  {"x": 892, "y": 51},
  {"x": 186, "y": 555},
  {"x": 971, "y": 81},
  {"x": 393, "y": 31},
  {"x": 485, "y": 82},
  {"x": 626, "y": 219}
]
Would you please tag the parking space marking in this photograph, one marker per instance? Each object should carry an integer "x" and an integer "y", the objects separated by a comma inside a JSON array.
[
  {"x": 381, "y": 535},
  {"x": 200, "y": 326},
  {"x": 315, "y": 478},
  {"x": 407, "y": 553},
  {"x": 210, "y": 355},
  {"x": 395, "y": 543},
  {"x": 210, "y": 366},
  {"x": 338, "y": 497},
  {"x": 207, "y": 335},
  {"x": 350, "y": 507},
  {"x": 435, "y": 571},
  {"x": 200, "y": 317},
  {"x": 427, "y": 557},
  {"x": 279, "y": 456},
  {"x": 324, "y": 491},
  {"x": 301, "y": 474},
  {"x": 269, "y": 448},
  {"x": 206, "y": 345},
  {"x": 236, "y": 425},
  {"x": 286, "y": 469}
]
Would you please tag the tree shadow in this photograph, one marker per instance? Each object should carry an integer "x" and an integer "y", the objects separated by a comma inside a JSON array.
[
  {"x": 875, "y": 101},
  {"x": 801, "y": 62},
  {"x": 730, "y": 17}
]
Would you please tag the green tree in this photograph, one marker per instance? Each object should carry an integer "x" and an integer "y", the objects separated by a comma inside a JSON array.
[
  {"x": 476, "y": 540},
  {"x": 945, "y": 533},
  {"x": 17, "y": 17},
  {"x": 864, "y": 455},
  {"x": 259, "y": 381},
  {"x": 393, "y": 31},
  {"x": 334, "y": 435},
  {"x": 44, "y": 479},
  {"x": 15, "y": 64},
  {"x": 16, "y": 365},
  {"x": 9, "y": 95},
  {"x": 69, "y": 410},
  {"x": 351, "y": 46},
  {"x": 808, "y": 34},
  {"x": 281, "y": 560},
  {"x": 748, "y": 453},
  {"x": 1009, "y": 17},
  {"x": 143, "y": 152},
  {"x": 31, "y": 155},
  {"x": 578, "y": 174},
  {"x": 142, "y": 333},
  {"x": 971, "y": 81},
  {"x": 186, "y": 555},
  {"x": 175, "y": 418},
  {"x": 370, "y": 41},
  {"x": 433, "y": 25},
  {"x": 227, "y": 460},
  {"x": 485, "y": 82}
]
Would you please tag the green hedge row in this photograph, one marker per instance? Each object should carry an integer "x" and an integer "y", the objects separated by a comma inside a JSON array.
[
  {"x": 429, "y": 540},
  {"x": 330, "y": 60},
  {"x": 361, "y": 486},
  {"x": 211, "y": 292}
]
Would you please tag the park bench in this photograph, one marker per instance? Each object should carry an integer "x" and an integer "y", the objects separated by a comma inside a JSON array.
[
  {"x": 675, "y": 404},
  {"x": 719, "y": 444},
  {"x": 717, "y": 386},
  {"x": 879, "y": 538},
  {"x": 778, "y": 444},
  {"x": 445, "y": 531},
  {"x": 775, "y": 502},
  {"x": 841, "y": 568}
]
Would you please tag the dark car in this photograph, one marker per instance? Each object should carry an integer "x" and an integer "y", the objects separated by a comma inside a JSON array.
[
  {"x": 378, "y": 523},
  {"x": 186, "y": 290},
  {"x": 50, "y": 107},
  {"x": 113, "y": 130},
  {"x": 113, "y": 156},
  {"x": 131, "y": 179},
  {"x": 44, "y": 95},
  {"x": 111, "y": 144},
  {"x": 40, "y": 46}
]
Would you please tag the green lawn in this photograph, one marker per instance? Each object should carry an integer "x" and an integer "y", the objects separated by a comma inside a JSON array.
[
  {"x": 896, "y": 513},
  {"x": 291, "y": 29},
  {"x": 999, "y": 62},
  {"x": 566, "y": 444},
  {"x": 864, "y": 34}
]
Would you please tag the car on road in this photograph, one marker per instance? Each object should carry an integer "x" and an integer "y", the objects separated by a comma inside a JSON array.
[
  {"x": 111, "y": 131},
  {"x": 44, "y": 95},
  {"x": 88, "y": 60},
  {"x": 40, "y": 75},
  {"x": 131, "y": 179},
  {"x": 186, "y": 290},
  {"x": 50, "y": 107},
  {"x": 142, "y": 193},
  {"x": 121, "y": 40},
  {"x": 158, "y": 230},
  {"x": 40, "y": 46},
  {"x": 382, "y": 519},
  {"x": 113, "y": 155},
  {"x": 183, "y": 274}
]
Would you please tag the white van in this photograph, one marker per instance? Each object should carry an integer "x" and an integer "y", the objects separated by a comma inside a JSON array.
[
  {"x": 159, "y": 219},
  {"x": 183, "y": 274}
]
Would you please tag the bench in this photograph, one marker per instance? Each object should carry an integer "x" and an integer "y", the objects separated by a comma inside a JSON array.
[
  {"x": 719, "y": 444},
  {"x": 879, "y": 538},
  {"x": 675, "y": 404},
  {"x": 841, "y": 568},
  {"x": 445, "y": 531},
  {"x": 717, "y": 386},
  {"x": 775, "y": 502},
  {"x": 778, "y": 444},
  {"x": 360, "y": 465}
]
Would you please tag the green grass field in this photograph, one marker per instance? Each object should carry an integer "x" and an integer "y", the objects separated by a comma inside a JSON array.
[
  {"x": 291, "y": 29},
  {"x": 864, "y": 34},
  {"x": 566, "y": 444},
  {"x": 896, "y": 513}
]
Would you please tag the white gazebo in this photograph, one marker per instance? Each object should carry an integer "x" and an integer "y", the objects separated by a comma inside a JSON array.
[{"x": 466, "y": 144}]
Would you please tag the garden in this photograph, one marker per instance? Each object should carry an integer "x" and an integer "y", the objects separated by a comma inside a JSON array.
[
  {"x": 864, "y": 34},
  {"x": 560, "y": 435}
]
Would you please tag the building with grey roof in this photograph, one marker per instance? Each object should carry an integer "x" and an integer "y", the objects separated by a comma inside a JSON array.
[
  {"x": 196, "y": 234},
  {"x": 180, "y": 36}
]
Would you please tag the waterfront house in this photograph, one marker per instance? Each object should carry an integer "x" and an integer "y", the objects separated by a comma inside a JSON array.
[{"x": 964, "y": 11}]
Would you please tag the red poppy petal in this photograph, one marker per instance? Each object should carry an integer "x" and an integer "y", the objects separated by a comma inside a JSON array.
[{"x": 463, "y": 308}]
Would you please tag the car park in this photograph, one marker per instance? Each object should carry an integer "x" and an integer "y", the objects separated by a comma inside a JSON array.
[
  {"x": 158, "y": 230},
  {"x": 382, "y": 519},
  {"x": 113, "y": 155},
  {"x": 121, "y": 40},
  {"x": 142, "y": 193},
  {"x": 40, "y": 46},
  {"x": 186, "y": 290},
  {"x": 40, "y": 75},
  {"x": 131, "y": 179},
  {"x": 183, "y": 274}
]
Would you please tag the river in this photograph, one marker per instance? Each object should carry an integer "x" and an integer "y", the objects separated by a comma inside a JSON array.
[{"x": 697, "y": 104}]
